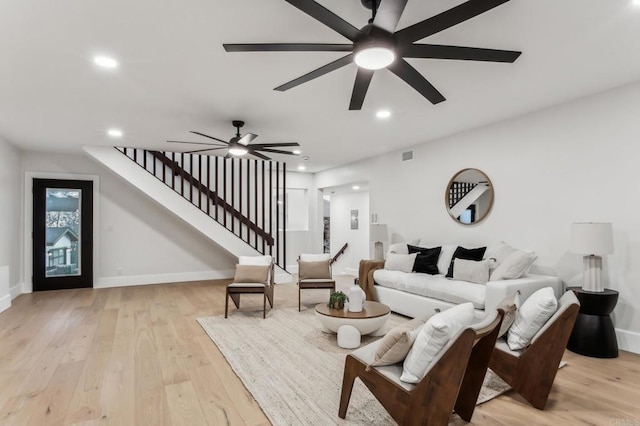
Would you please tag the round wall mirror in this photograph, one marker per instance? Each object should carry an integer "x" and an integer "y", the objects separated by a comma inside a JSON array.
[{"x": 469, "y": 196}]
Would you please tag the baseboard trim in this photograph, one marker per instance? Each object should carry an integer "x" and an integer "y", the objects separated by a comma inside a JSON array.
[
  {"x": 350, "y": 271},
  {"x": 628, "y": 340},
  {"x": 133, "y": 280},
  {"x": 16, "y": 290},
  {"x": 5, "y": 302}
]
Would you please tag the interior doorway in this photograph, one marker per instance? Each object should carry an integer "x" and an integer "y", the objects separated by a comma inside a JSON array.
[{"x": 62, "y": 234}]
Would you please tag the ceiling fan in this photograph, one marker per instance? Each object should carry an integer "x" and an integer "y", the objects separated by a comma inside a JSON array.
[
  {"x": 378, "y": 45},
  {"x": 241, "y": 145}
]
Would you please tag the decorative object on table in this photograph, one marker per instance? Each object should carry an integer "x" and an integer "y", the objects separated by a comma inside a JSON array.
[
  {"x": 356, "y": 297},
  {"x": 593, "y": 333},
  {"x": 302, "y": 390},
  {"x": 337, "y": 299},
  {"x": 354, "y": 219},
  {"x": 351, "y": 325},
  {"x": 378, "y": 234},
  {"x": 314, "y": 272},
  {"x": 592, "y": 239},
  {"x": 469, "y": 196}
]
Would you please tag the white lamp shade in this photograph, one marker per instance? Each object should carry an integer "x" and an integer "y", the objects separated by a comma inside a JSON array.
[
  {"x": 378, "y": 233},
  {"x": 591, "y": 238}
]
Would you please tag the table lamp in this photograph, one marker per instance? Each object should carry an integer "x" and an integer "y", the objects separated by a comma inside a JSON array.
[
  {"x": 378, "y": 234},
  {"x": 592, "y": 239}
]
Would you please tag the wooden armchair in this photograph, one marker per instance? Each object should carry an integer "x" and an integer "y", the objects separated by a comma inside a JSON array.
[
  {"x": 431, "y": 401},
  {"x": 309, "y": 280},
  {"x": 531, "y": 371},
  {"x": 235, "y": 289}
]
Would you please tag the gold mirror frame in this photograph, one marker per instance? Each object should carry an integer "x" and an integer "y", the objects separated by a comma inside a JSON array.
[{"x": 450, "y": 191}]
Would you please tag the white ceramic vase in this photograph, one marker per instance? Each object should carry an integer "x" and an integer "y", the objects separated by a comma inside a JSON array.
[{"x": 356, "y": 298}]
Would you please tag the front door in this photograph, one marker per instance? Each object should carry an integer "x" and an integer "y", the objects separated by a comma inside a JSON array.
[{"x": 62, "y": 234}]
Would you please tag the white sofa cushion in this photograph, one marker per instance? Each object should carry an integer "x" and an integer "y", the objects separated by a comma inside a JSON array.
[
  {"x": 473, "y": 271},
  {"x": 398, "y": 248},
  {"x": 400, "y": 262},
  {"x": 433, "y": 286},
  {"x": 445, "y": 258},
  {"x": 434, "y": 336},
  {"x": 514, "y": 266},
  {"x": 532, "y": 315}
]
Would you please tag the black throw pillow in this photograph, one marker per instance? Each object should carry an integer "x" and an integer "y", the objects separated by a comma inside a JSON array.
[
  {"x": 415, "y": 249},
  {"x": 426, "y": 259},
  {"x": 468, "y": 254}
]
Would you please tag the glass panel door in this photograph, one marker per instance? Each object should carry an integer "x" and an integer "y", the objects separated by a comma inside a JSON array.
[{"x": 62, "y": 234}]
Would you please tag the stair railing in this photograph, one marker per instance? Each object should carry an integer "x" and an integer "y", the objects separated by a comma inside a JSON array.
[{"x": 245, "y": 196}]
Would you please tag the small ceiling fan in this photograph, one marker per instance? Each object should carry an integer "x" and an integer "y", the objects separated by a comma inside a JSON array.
[
  {"x": 378, "y": 45},
  {"x": 241, "y": 145}
]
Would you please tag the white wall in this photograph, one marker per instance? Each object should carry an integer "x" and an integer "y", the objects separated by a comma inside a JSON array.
[
  {"x": 10, "y": 208},
  {"x": 574, "y": 162},
  {"x": 138, "y": 241},
  {"x": 342, "y": 203}
]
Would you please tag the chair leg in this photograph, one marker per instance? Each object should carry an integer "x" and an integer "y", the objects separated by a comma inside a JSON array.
[
  {"x": 298, "y": 297},
  {"x": 350, "y": 374},
  {"x": 270, "y": 295},
  {"x": 264, "y": 304},
  {"x": 226, "y": 303}
]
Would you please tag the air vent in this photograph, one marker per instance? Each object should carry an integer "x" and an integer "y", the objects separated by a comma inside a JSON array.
[{"x": 406, "y": 156}]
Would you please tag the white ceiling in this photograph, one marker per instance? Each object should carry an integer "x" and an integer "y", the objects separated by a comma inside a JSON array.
[{"x": 174, "y": 75}]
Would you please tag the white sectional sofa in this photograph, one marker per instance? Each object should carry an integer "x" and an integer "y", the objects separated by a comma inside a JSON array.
[{"x": 415, "y": 294}]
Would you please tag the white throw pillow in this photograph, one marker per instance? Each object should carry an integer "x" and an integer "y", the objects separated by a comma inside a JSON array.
[
  {"x": 400, "y": 262},
  {"x": 473, "y": 271},
  {"x": 398, "y": 248},
  {"x": 514, "y": 266},
  {"x": 434, "y": 336},
  {"x": 530, "y": 317},
  {"x": 315, "y": 257},
  {"x": 254, "y": 260},
  {"x": 499, "y": 252},
  {"x": 446, "y": 253}
]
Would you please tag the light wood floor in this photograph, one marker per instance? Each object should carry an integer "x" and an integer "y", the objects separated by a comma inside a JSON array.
[{"x": 136, "y": 356}]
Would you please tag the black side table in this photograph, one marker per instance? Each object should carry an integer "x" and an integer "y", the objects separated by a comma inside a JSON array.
[{"x": 593, "y": 334}]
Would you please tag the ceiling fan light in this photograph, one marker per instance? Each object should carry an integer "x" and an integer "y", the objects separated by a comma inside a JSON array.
[
  {"x": 237, "y": 150},
  {"x": 375, "y": 58}
]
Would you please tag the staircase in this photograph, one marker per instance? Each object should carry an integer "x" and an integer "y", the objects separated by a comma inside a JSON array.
[{"x": 238, "y": 203}]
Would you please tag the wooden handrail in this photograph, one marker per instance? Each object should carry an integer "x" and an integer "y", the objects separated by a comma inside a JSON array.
[
  {"x": 217, "y": 200},
  {"x": 339, "y": 253}
]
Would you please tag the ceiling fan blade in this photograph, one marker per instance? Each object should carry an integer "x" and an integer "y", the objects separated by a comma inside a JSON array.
[
  {"x": 327, "y": 17},
  {"x": 413, "y": 78},
  {"x": 319, "y": 72},
  {"x": 257, "y": 154},
  {"x": 246, "y": 139},
  {"x": 195, "y": 143},
  {"x": 288, "y": 47},
  {"x": 210, "y": 137},
  {"x": 203, "y": 150},
  {"x": 445, "y": 20},
  {"x": 273, "y": 145},
  {"x": 436, "y": 51},
  {"x": 360, "y": 87},
  {"x": 277, "y": 151},
  {"x": 388, "y": 14}
]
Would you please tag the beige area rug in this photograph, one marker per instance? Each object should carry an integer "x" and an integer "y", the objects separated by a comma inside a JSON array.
[{"x": 294, "y": 371}]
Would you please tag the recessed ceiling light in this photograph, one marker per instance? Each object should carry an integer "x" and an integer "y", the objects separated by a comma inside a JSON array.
[
  {"x": 105, "y": 62},
  {"x": 383, "y": 113},
  {"x": 355, "y": 187},
  {"x": 115, "y": 133},
  {"x": 297, "y": 152},
  {"x": 302, "y": 167}
]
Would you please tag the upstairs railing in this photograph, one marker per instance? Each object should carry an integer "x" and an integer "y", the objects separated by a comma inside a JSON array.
[
  {"x": 245, "y": 196},
  {"x": 458, "y": 190}
]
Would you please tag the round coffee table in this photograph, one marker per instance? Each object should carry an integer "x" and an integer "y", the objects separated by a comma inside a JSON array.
[{"x": 350, "y": 326}]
